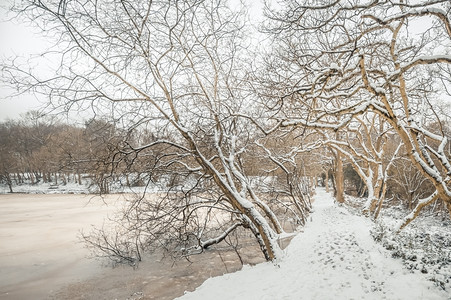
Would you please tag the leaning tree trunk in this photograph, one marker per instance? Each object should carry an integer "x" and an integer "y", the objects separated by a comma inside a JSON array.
[{"x": 262, "y": 231}]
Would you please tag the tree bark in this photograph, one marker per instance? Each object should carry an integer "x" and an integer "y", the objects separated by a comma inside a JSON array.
[
  {"x": 339, "y": 179},
  {"x": 326, "y": 182}
]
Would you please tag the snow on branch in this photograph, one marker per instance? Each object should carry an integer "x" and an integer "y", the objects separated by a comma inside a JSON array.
[
  {"x": 425, "y": 11},
  {"x": 421, "y": 60},
  {"x": 421, "y": 204},
  {"x": 218, "y": 239}
]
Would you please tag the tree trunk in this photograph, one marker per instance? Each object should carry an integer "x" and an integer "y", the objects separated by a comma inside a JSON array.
[
  {"x": 339, "y": 179},
  {"x": 9, "y": 182},
  {"x": 326, "y": 182},
  {"x": 448, "y": 206},
  {"x": 416, "y": 211},
  {"x": 410, "y": 199},
  {"x": 258, "y": 224}
]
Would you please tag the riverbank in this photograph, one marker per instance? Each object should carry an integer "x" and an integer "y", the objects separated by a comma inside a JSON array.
[{"x": 41, "y": 256}]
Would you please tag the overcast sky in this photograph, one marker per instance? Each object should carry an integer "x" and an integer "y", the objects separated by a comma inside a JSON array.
[{"x": 18, "y": 39}]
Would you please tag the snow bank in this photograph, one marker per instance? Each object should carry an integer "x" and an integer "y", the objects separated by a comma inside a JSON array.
[
  {"x": 423, "y": 246},
  {"x": 335, "y": 258}
]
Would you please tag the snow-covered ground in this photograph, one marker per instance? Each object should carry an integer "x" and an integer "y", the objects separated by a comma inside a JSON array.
[
  {"x": 70, "y": 188},
  {"x": 47, "y": 188},
  {"x": 87, "y": 186},
  {"x": 423, "y": 246},
  {"x": 334, "y": 258}
]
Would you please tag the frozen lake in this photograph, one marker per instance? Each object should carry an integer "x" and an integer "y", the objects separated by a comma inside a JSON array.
[
  {"x": 41, "y": 256},
  {"x": 39, "y": 247}
]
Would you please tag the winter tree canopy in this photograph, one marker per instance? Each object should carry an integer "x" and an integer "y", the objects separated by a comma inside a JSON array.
[
  {"x": 339, "y": 60},
  {"x": 241, "y": 133}
]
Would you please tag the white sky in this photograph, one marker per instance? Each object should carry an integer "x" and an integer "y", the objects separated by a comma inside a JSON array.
[{"x": 16, "y": 39}]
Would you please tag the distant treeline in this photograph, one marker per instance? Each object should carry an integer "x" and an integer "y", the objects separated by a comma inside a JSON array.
[{"x": 35, "y": 150}]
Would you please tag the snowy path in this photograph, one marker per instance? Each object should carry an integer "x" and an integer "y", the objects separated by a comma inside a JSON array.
[{"x": 335, "y": 258}]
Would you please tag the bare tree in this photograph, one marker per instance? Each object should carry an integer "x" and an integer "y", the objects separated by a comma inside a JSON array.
[
  {"x": 288, "y": 180},
  {"x": 174, "y": 68},
  {"x": 408, "y": 184},
  {"x": 8, "y": 161},
  {"x": 364, "y": 145},
  {"x": 344, "y": 59}
]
